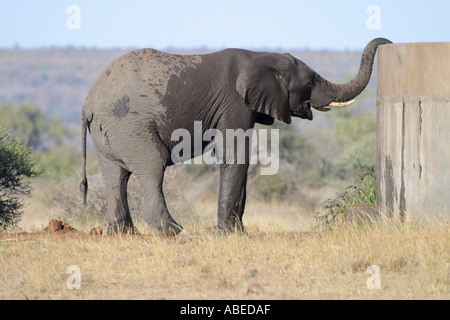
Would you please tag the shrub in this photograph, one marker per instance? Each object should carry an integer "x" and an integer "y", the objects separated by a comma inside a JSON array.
[
  {"x": 16, "y": 164},
  {"x": 362, "y": 192}
]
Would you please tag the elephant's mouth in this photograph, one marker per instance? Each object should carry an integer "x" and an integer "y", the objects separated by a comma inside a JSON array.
[{"x": 303, "y": 111}]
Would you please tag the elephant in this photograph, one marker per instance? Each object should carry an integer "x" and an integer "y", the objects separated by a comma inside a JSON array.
[{"x": 143, "y": 96}]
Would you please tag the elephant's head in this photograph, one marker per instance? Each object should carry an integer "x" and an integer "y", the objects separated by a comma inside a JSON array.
[{"x": 282, "y": 86}]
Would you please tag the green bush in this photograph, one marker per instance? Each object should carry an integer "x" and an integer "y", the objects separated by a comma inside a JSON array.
[
  {"x": 16, "y": 164},
  {"x": 362, "y": 192}
]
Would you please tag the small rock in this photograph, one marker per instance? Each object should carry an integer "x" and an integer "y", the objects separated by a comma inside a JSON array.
[
  {"x": 66, "y": 227},
  {"x": 54, "y": 226},
  {"x": 255, "y": 288},
  {"x": 98, "y": 231},
  {"x": 252, "y": 272}
]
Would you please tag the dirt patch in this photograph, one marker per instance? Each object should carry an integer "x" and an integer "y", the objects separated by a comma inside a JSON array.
[
  {"x": 63, "y": 230},
  {"x": 56, "y": 227},
  {"x": 59, "y": 227}
]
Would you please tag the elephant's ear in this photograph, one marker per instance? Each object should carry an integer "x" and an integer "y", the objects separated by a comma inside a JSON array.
[{"x": 263, "y": 88}]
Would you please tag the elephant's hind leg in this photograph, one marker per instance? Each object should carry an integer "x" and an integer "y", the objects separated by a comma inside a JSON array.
[
  {"x": 155, "y": 211},
  {"x": 150, "y": 173},
  {"x": 116, "y": 181}
]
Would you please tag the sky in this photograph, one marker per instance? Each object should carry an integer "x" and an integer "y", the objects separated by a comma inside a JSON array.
[{"x": 251, "y": 24}]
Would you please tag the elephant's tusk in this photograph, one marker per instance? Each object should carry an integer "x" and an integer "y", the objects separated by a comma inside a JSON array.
[
  {"x": 340, "y": 104},
  {"x": 322, "y": 109}
]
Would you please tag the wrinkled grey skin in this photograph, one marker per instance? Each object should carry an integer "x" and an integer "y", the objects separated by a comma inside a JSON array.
[{"x": 143, "y": 96}]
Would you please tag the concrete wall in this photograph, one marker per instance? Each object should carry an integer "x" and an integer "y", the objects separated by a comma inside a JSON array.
[{"x": 413, "y": 131}]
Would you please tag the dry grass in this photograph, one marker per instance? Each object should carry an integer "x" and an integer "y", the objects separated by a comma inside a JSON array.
[
  {"x": 279, "y": 258},
  {"x": 414, "y": 260}
]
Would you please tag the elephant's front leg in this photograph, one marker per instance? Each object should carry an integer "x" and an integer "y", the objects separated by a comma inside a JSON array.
[{"x": 232, "y": 194}]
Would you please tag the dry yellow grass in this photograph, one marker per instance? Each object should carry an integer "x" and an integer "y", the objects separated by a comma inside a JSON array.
[{"x": 267, "y": 263}]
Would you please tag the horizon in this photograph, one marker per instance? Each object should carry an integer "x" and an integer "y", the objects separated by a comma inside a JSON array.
[
  {"x": 195, "y": 49},
  {"x": 180, "y": 49}
]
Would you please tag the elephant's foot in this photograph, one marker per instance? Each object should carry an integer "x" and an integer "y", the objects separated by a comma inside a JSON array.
[
  {"x": 167, "y": 228},
  {"x": 227, "y": 228},
  {"x": 238, "y": 228},
  {"x": 118, "y": 228}
]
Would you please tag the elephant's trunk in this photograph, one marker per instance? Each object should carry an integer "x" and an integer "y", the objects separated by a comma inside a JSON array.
[{"x": 337, "y": 95}]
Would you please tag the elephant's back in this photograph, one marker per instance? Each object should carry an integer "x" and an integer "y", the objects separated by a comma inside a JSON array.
[
  {"x": 150, "y": 69},
  {"x": 140, "y": 75}
]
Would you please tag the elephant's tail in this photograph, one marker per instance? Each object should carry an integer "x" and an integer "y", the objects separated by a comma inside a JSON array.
[{"x": 84, "y": 183}]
